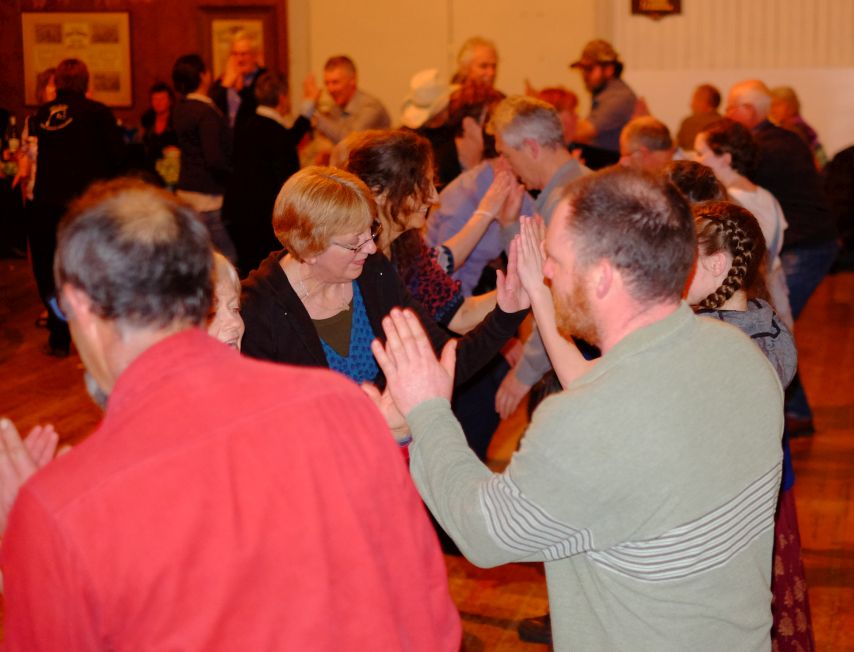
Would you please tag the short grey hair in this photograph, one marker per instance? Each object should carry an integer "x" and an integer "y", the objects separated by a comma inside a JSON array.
[
  {"x": 464, "y": 58},
  {"x": 648, "y": 132},
  {"x": 756, "y": 94},
  {"x": 518, "y": 118}
]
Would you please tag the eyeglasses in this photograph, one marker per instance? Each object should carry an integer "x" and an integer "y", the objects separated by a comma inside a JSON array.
[{"x": 376, "y": 229}]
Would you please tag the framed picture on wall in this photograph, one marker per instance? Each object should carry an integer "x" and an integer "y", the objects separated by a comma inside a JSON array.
[
  {"x": 656, "y": 9},
  {"x": 219, "y": 25},
  {"x": 100, "y": 39}
]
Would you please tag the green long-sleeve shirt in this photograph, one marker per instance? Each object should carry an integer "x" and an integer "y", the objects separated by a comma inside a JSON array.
[{"x": 648, "y": 488}]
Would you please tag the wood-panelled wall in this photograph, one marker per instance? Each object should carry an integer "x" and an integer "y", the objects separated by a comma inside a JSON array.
[{"x": 161, "y": 31}]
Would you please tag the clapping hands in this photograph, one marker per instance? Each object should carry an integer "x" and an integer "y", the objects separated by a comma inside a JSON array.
[
  {"x": 512, "y": 296},
  {"x": 529, "y": 254},
  {"x": 19, "y": 459},
  {"x": 413, "y": 374}
]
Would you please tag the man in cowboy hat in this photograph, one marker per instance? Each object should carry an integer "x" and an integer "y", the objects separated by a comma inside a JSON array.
[{"x": 612, "y": 105}]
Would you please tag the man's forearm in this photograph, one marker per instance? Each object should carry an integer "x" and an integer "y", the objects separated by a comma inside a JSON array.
[{"x": 449, "y": 477}]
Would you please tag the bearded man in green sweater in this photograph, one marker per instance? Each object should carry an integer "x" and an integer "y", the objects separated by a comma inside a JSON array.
[{"x": 648, "y": 486}]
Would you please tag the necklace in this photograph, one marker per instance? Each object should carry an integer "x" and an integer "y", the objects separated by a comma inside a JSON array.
[{"x": 302, "y": 293}]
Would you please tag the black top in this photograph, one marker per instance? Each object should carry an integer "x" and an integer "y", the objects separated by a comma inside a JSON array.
[
  {"x": 786, "y": 169},
  {"x": 79, "y": 142},
  {"x": 265, "y": 155},
  {"x": 154, "y": 143},
  {"x": 839, "y": 183},
  {"x": 445, "y": 157},
  {"x": 205, "y": 142},
  {"x": 278, "y": 327}
]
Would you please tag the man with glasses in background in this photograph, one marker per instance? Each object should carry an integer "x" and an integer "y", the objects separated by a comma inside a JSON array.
[{"x": 234, "y": 91}]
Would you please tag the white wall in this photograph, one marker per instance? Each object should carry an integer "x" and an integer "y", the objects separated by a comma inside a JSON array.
[
  {"x": 390, "y": 40},
  {"x": 807, "y": 45}
]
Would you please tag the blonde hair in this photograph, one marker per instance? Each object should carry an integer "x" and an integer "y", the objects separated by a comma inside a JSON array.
[{"x": 318, "y": 203}]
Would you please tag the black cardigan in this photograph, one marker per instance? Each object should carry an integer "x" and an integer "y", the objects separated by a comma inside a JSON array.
[{"x": 278, "y": 327}]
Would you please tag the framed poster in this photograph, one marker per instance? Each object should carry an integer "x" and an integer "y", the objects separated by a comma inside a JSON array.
[
  {"x": 656, "y": 9},
  {"x": 100, "y": 39},
  {"x": 219, "y": 25}
]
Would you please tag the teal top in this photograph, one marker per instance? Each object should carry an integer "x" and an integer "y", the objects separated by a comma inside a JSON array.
[{"x": 359, "y": 364}]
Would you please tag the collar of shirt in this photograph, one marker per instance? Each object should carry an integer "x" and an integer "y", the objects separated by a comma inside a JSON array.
[
  {"x": 566, "y": 172},
  {"x": 354, "y": 103},
  {"x": 270, "y": 112}
]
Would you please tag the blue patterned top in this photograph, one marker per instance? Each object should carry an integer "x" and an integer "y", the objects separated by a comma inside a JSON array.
[{"x": 359, "y": 364}]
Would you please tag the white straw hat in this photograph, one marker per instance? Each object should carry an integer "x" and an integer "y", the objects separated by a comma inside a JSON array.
[{"x": 428, "y": 96}]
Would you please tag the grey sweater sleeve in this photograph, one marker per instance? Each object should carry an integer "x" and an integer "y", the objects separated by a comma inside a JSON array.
[{"x": 485, "y": 513}]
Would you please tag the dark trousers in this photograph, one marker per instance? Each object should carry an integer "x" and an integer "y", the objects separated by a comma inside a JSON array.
[
  {"x": 42, "y": 222},
  {"x": 805, "y": 267},
  {"x": 474, "y": 404}
]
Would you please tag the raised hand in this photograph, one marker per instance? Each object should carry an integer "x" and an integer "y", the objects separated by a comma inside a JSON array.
[
  {"x": 310, "y": 89},
  {"x": 496, "y": 195},
  {"x": 19, "y": 459},
  {"x": 512, "y": 205},
  {"x": 512, "y": 297},
  {"x": 385, "y": 403},
  {"x": 413, "y": 374},
  {"x": 231, "y": 77},
  {"x": 530, "y": 254}
]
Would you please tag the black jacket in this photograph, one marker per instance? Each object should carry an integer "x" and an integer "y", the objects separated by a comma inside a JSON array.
[
  {"x": 205, "y": 142},
  {"x": 786, "y": 169},
  {"x": 265, "y": 155},
  {"x": 278, "y": 327},
  {"x": 79, "y": 142}
]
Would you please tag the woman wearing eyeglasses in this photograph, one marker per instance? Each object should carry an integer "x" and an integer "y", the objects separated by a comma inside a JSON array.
[
  {"x": 322, "y": 302},
  {"x": 397, "y": 166}
]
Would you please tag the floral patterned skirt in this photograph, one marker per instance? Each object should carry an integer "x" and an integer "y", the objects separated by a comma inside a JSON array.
[{"x": 792, "y": 628}]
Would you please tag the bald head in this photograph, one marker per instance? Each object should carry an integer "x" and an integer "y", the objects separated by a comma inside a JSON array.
[{"x": 749, "y": 103}]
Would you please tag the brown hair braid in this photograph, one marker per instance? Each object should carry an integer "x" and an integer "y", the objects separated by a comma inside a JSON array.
[{"x": 725, "y": 226}]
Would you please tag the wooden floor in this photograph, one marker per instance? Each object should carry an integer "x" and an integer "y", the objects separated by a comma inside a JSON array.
[{"x": 37, "y": 389}]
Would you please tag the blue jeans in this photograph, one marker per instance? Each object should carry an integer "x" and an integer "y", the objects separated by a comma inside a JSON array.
[{"x": 805, "y": 267}]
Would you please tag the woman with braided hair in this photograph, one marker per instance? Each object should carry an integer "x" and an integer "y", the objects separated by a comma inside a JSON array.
[
  {"x": 729, "y": 149},
  {"x": 728, "y": 285}
]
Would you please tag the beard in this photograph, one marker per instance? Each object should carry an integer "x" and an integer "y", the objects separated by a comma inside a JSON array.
[{"x": 573, "y": 315}]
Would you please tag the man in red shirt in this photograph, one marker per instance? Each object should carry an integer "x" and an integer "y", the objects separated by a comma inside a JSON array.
[{"x": 222, "y": 503}]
